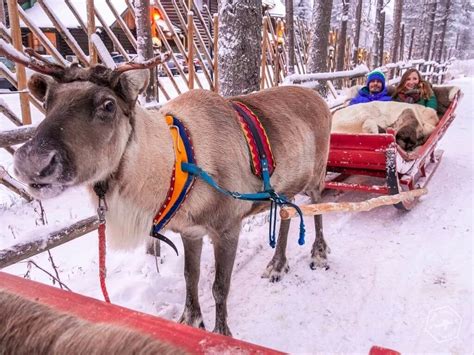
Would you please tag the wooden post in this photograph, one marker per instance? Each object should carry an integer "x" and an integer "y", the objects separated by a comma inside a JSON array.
[
  {"x": 215, "y": 62},
  {"x": 20, "y": 69},
  {"x": 190, "y": 51},
  {"x": 91, "y": 31}
]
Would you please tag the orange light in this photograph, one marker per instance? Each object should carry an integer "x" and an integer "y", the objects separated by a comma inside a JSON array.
[
  {"x": 280, "y": 32},
  {"x": 156, "y": 14}
]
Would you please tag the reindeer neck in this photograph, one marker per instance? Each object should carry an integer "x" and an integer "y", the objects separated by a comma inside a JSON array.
[{"x": 148, "y": 161}]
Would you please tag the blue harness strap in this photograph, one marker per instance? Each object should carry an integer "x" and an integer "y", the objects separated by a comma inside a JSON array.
[{"x": 268, "y": 193}]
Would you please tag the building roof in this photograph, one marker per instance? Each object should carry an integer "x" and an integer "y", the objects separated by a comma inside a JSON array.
[
  {"x": 275, "y": 8},
  {"x": 66, "y": 17}
]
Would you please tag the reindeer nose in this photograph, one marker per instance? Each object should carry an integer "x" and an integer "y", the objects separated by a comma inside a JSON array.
[
  {"x": 49, "y": 167},
  {"x": 32, "y": 166}
]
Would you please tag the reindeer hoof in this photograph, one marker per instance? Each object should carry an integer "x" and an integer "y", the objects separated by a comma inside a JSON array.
[
  {"x": 319, "y": 262},
  {"x": 275, "y": 270},
  {"x": 196, "y": 322},
  {"x": 223, "y": 330}
]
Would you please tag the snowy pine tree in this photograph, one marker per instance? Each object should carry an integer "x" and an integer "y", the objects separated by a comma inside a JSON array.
[
  {"x": 239, "y": 42},
  {"x": 302, "y": 10},
  {"x": 397, "y": 24},
  {"x": 461, "y": 31},
  {"x": 318, "y": 43}
]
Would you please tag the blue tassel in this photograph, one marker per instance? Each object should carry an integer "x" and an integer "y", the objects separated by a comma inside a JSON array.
[
  {"x": 302, "y": 232},
  {"x": 272, "y": 224}
]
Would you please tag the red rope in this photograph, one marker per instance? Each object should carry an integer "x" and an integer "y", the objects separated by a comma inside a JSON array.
[{"x": 102, "y": 269}]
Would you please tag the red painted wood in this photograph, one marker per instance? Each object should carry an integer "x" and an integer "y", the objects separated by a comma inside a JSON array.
[
  {"x": 189, "y": 339},
  {"x": 378, "y": 350},
  {"x": 359, "y": 159},
  {"x": 346, "y": 172},
  {"x": 342, "y": 186},
  {"x": 361, "y": 141}
]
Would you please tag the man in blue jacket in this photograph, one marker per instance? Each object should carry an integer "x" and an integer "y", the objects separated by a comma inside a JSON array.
[{"x": 374, "y": 90}]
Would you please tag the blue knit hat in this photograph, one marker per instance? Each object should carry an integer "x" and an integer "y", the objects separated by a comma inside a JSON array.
[{"x": 376, "y": 75}]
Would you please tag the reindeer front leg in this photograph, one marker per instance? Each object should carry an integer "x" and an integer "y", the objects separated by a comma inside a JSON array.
[
  {"x": 225, "y": 248},
  {"x": 192, "y": 258},
  {"x": 279, "y": 264}
]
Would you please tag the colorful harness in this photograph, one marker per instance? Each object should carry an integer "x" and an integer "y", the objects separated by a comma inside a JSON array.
[
  {"x": 186, "y": 170},
  {"x": 181, "y": 181},
  {"x": 257, "y": 140}
]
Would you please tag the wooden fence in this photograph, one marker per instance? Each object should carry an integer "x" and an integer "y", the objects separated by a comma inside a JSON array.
[{"x": 198, "y": 49}]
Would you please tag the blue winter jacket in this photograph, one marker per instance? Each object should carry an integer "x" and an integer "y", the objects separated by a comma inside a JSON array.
[{"x": 365, "y": 96}]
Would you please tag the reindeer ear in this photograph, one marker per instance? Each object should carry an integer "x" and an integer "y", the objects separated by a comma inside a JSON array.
[
  {"x": 39, "y": 84},
  {"x": 134, "y": 82}
]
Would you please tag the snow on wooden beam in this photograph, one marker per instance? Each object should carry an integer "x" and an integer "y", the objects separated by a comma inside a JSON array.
[
  {"x": 359, "y": 71},
  {"x": 191, "y": 340},
  {"x": 16, "y": 136},
  {"x": 14, "y": 185},
  {"x": 23, "y": 251}
]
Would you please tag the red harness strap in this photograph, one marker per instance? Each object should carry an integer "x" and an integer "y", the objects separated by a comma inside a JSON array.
[
  {"x": 256, "y": 137},
  {"x": 102, "y": 267}
]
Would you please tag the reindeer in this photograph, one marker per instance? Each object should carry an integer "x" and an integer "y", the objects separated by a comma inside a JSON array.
[
  {"x": 413, "y": 123},
  {"x": 27, "y": 327},
  {"x": 96, "y": 131}
]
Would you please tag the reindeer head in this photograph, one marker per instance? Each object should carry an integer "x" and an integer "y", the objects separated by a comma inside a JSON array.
[{"x": 89, "y": 121}]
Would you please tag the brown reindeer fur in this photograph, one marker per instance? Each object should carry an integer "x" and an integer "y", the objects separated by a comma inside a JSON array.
[
  {"x": 97, "y": 132},
  {"x": 413, "y": 122},
  {"x": 29, "y": 328}
]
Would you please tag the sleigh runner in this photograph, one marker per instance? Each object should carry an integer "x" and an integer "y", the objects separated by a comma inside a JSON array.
[{"x": 378, "y": 155}]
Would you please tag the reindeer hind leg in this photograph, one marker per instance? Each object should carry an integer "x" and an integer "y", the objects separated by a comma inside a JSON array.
[{"x": 320, "y": 249}]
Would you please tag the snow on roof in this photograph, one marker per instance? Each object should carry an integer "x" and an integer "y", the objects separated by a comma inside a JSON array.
[
  {"x": 37, "y": 15},
  {"x": 275, "y": 8}
]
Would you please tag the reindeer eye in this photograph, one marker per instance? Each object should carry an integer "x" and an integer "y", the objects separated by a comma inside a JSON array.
[{"x": 109, "y": 106}]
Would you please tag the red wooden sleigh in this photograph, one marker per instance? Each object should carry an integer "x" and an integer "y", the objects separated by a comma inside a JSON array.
[{"x": 378, "y": 155}]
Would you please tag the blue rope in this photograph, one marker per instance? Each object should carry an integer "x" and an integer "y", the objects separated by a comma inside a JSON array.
[{"x": 268, "y": 195}]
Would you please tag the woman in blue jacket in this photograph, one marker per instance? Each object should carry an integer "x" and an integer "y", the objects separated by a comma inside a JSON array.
[{"x": 374, "y": 90}]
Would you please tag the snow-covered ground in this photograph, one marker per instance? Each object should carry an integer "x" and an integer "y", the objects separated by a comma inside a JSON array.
[{"x": 399, "y": 280}]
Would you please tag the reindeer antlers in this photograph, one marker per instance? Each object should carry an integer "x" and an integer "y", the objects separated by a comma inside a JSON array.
[
  {"x": 32, "y": 62},
  {"x": 35, "y": 62},
  {"x": 144, "y": 65}
]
